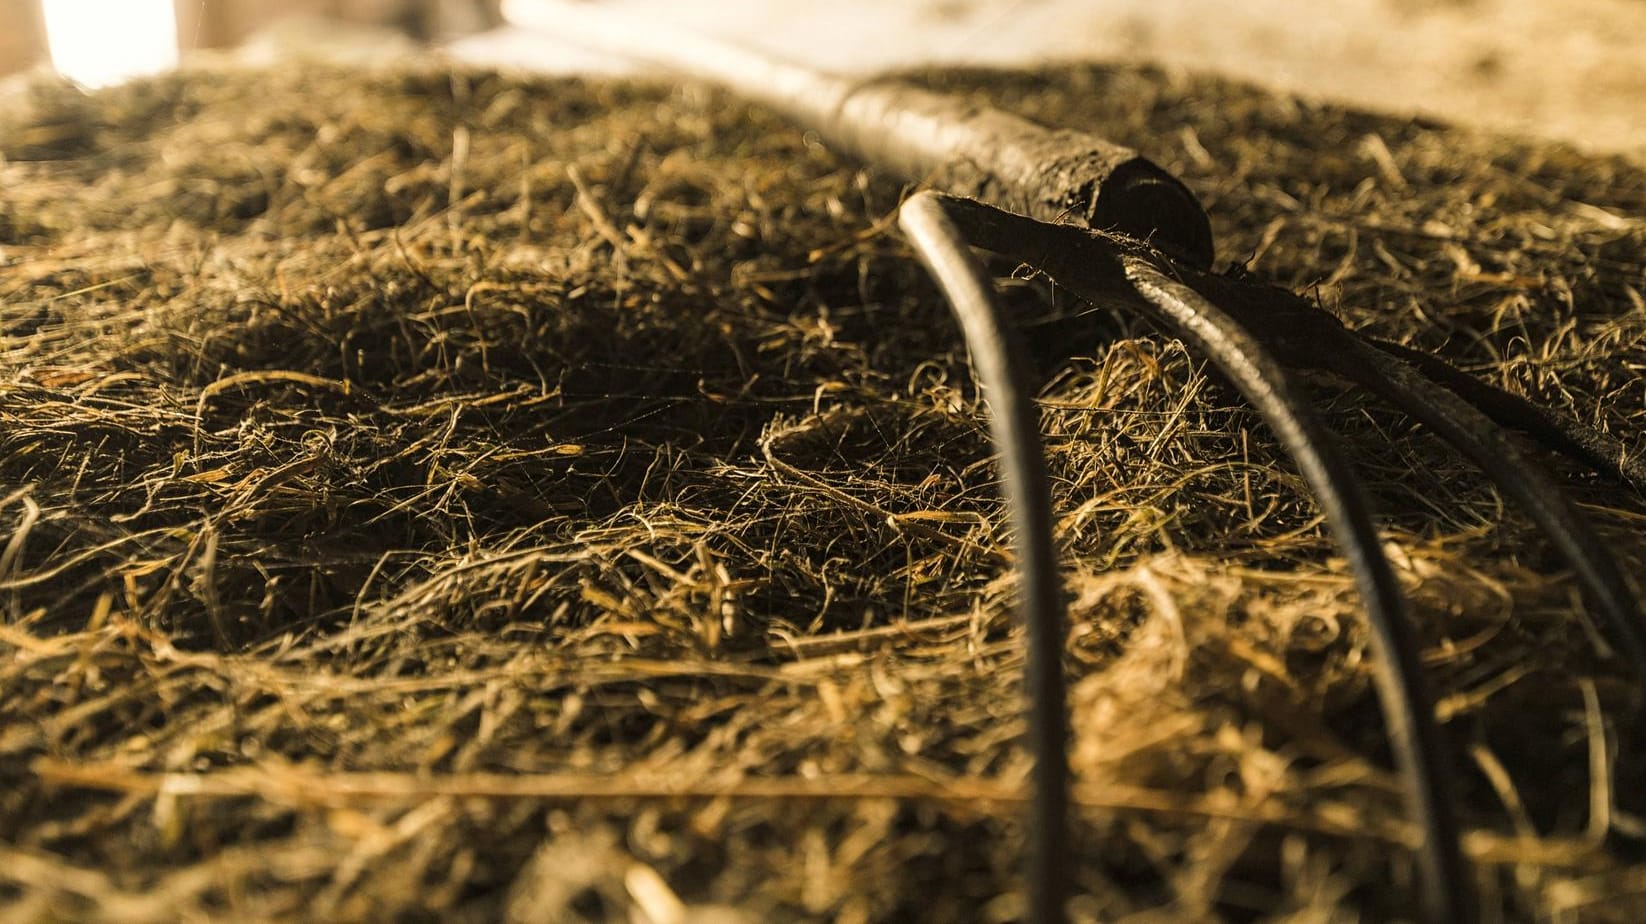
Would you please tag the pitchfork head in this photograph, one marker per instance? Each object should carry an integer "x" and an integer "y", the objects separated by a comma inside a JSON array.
[{"x": 1257, "y": 335}]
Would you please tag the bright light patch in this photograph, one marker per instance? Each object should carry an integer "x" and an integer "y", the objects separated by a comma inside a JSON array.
[{"x": 102, "y": 42}]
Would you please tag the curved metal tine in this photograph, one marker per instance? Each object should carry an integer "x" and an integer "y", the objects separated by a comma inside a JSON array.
[
  {"x": 1604, "y": 453},
  {"x": 1014, "y": 424},
  {"x": 1475, "y": 435},
  {"x": 1098, "y": 270},
  {"x": 1407, "y": 705}
]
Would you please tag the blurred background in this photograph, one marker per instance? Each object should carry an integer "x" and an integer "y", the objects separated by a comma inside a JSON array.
[{"x": 1567, "y": 69}]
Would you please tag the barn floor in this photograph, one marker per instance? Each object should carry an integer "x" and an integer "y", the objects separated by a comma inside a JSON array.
[{"x": 434, "y": 495}]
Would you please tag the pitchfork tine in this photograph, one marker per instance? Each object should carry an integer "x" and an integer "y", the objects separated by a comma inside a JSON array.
[
  {"x": 997, "y": 357},
  {"x": 1408, "y": 707},
  {"x": 1097, "y": 269},
  {"x": 1586, "y": 444}
]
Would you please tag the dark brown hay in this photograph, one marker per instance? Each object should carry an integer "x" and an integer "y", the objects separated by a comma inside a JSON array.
[{"x": 437, "y": 495}]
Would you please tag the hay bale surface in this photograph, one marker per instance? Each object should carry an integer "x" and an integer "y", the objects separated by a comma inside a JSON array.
[{"x": 435, "y": 495}]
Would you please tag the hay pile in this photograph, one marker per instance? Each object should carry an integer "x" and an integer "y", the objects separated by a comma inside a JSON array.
[{"x": 436, "y": 495}]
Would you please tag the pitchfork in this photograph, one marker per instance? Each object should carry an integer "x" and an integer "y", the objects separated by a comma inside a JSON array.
[{"x": 1118, "y": 231}]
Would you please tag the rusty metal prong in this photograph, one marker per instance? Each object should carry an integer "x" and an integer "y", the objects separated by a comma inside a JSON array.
[
  {"x": 1604, "y": 453},
  {"x": 1484, "y": 442},
  {"x": 1108, "y": 271},
  {"x": 1014, "y": 423}
]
